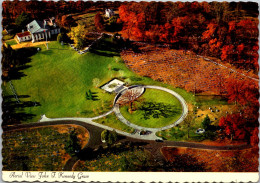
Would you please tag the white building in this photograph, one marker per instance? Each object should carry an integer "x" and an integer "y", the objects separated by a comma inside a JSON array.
[
  {"x": 109, "y": 13},
  {"x": 40, "y": 30},
  {"x": 24, "y": 36}
]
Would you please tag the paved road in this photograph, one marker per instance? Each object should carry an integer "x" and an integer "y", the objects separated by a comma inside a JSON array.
[
  {"x": 90, "y": 122},
  {"x": 95, "y": 140}
]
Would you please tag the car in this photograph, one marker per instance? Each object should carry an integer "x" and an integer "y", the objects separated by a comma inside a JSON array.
[{"x": 200, "y": 131}]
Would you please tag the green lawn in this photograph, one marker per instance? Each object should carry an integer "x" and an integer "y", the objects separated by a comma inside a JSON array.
[
  {"x": 112, "y": 121},
  {"x": 59, "y": 78},
  {"x": 152, "y": 114},
  {"x": 11, "y": 42}
]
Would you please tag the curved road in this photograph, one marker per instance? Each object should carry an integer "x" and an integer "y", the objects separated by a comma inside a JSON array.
[
  {"x": 148, "y": 141},
  {"x": 95, "y": 140}
]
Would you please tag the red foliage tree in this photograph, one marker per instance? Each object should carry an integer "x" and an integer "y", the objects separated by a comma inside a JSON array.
[
  {"x": 99, "y": 22},
  {"x": 234, "y": 126},
  {"x": 254, "y": 138},
  {"x": 227, "y": 52}
]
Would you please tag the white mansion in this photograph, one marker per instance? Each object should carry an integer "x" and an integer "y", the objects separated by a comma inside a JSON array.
[{"x": 39, "y": 30}]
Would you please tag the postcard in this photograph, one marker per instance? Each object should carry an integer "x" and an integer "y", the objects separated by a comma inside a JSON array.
[{"x": 130, "y": 91}]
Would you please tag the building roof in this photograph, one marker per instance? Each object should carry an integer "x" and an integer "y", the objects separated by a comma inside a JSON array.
[
  {"x": 37, "y": 26},
  {"x": 112, "y": 85},
  {"x": 22, "y": 34}
]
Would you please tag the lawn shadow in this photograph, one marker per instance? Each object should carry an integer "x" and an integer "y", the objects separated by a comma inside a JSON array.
[
  {"x": 103, "y": 53},
  {"x": 105, "y": 48},
  {"x": 46, "y": 52},
  {"x": 22, "y": 58},
  {"x": 13, "y": 109},
  {"x": 91, "y": 154}
]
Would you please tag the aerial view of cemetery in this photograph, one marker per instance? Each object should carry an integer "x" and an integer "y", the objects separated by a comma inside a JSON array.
[{"x": 130, "y": 86}]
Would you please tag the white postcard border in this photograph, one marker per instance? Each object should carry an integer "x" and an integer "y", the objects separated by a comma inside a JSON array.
[{"x": 30, "y": 176}]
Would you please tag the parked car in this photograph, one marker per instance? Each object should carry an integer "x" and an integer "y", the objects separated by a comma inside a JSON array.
[{"x": 200, "y": 131}]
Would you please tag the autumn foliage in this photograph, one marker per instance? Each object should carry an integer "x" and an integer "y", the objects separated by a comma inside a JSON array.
[{"x": 215, "y": 29}]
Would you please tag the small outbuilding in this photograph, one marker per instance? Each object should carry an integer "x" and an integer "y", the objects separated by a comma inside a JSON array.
[
  {"x": 109, "y": 13},
  {"x": 114, "y": 85},
  {"x": 24, "y": 36}
]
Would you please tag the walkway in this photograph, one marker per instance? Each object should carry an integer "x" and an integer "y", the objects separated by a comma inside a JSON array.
[
  {"x": 154, "y": 130},
  {"x": 116, "y": 110},
  {"x": 90, "y": 122}
]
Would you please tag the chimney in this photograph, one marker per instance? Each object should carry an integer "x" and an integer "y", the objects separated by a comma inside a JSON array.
[
  {"x": 22, "y": 31},
  {"x": 44, "y": 23}
]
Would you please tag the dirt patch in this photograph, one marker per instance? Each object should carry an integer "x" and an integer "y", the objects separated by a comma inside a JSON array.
[
  {"x": 214, "y": 160},
  {"x": 181, "y": 69}
]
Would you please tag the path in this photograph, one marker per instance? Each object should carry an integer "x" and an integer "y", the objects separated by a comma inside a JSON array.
[
  {"x": 90, "y": 122},
  {"x": 154, "y": 130},
  {"x": 221, "y": 65},
  {"x": 116, "y": 110}
]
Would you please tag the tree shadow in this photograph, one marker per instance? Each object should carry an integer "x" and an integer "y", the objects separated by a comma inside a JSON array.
[
  {"x": 91, "y": 154},
  {"x": 105, "y": 48},
  {"x": 47, "y": 52},
  {"x": 22, "y": 58},
  {"x": 13, "y": 109},
  {"x": 101, "y": 53},
  {"x": 185, "y": 163}
]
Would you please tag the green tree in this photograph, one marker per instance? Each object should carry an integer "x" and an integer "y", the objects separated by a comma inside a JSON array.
[
  {"x": 109, "y": 137},
  {"x": 206, "y": 122},
  {"x": 72, "y": 145},
  {"x": 62, "y": 37},
  {"x": 22, "y": 20},
  {"x": 188, "y": 122},
  {"x": 104, "y": 135}
]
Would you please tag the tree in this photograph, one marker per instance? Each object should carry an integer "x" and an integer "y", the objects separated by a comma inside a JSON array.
[
  {"x": 129, "y": 96},
  {"x": 254, "y": 138},
  {"x": 109, "y": 137},
  {"x": 233, "y": 126},
  {"x": 188, "y": 121},
  {"x": 99, "y": 22},
  {"x": 72, "y": 145},
  {"x": 22, "y": 20},
  {"x": 242, "y": 91},
  {"x": 96, "y": 82},
  {"x": 78, "y": 35},
  {"x": 112, "y": 137},
  {"x": 67, "y": 21},
  {"x": 206, "y": 122},
  {"x": 104, "y": 135},
  {"x": 62, "y": 37}
]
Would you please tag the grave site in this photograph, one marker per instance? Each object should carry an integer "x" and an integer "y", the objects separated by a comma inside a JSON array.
[{"x": 130, "y": 86}]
